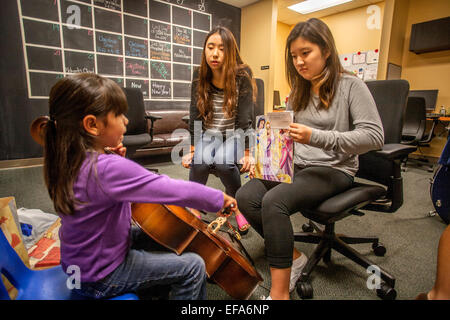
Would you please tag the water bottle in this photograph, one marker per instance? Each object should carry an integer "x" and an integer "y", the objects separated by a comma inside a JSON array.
[{"x": 443, "y": 111}]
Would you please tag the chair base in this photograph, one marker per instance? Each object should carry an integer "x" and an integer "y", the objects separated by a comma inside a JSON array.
[{"x": 327, "y": 240}]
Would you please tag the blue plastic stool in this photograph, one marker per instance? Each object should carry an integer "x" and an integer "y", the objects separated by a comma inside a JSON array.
[{"x": 46, "y": 284}]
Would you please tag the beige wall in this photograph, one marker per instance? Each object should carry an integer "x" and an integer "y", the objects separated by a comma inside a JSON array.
[
  {"x": 427, "y": 70},
  {"x": 350, "y": 33},
  {"x": 280, "y": 82},
  {"x": 350, "y": 30},
  {"x": 258, "y": 38}
]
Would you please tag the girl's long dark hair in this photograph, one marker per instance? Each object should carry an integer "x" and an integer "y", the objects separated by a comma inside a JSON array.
[
  {"x": 317, "y": 32},
  {"x": 233, "y": 67},
  {"x": 66, "y": 141}
]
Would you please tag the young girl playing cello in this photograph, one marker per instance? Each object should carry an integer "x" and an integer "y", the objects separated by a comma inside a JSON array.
[{"x": 92, "y": 191}]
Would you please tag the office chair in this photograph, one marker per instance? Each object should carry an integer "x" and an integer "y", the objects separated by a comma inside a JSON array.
[
  {"x": 259, "y": 105},
  {"x": 138, "y": 134},
  {"x": 381, "y": 167},
  {"x": 46, "y": 284},
  {"x": 414, "y": 129}
]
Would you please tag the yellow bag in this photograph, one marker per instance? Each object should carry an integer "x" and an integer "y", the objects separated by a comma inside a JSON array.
[{"x": 9, "y": 225}]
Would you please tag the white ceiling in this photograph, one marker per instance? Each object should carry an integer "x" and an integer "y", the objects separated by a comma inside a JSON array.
[
  {"x": 290, "y": 17},
  {"x": 239, "y": 3}
]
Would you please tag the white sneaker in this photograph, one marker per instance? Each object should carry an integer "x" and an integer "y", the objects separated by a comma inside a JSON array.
[{"x": 296, "y": 270}]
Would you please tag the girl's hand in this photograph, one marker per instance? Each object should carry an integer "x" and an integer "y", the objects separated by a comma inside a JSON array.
[
  {"x": 120, "y": 150},
  {"x": 187, "y": 160},
  {"x": 247, "y": 163},
  {"x": 229, "y": 202},
  {"x": 300, "y": 133},
  {"x": 251, "y": 173}
]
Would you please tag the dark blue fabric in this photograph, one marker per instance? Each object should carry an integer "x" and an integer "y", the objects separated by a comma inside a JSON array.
[{"x": 445, "y": 156}]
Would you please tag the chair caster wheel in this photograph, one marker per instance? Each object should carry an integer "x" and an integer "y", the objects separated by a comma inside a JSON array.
[
  {"x": 379, "y": 249},
  {"x": 385, "y": 292},
  {"x": 304, "y": 290},
  {"x": 307, "y": 228}
]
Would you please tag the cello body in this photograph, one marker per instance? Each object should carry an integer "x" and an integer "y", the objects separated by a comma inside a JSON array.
[{"x": 179, "y": 230}]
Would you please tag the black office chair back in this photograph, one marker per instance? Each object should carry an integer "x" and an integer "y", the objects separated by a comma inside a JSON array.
[
  {"x": 415, "y": 120},
  {"x": 137, "y": 135},
  {"x": 259, "y": 105},
  {"x": 390, "y": 97},
  {"x": 137, "y": 123}
]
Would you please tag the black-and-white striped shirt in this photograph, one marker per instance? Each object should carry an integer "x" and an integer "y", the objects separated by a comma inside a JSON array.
[{"x": 220, "y": 121}]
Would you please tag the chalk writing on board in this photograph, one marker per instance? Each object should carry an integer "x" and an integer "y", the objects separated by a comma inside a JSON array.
[
  {"x": 182, "y": 54},
  {"x": 143, "y": 85},
  {"x": 159, "y": 51},
  {"x": 160, "y": 70},
  {"x": 182, "y": 35},
  {"x": 159, "y": 31},
  {"x": 136, "y": 48},
  {"x": 136, "y": 68},
  {"x": 110, "y": 4},
  {"x": 108, "y": 43},
  {"x": 160, "y": 89}
]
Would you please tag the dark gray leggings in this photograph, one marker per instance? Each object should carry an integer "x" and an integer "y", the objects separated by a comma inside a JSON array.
[{"x": 267, "y": 205}]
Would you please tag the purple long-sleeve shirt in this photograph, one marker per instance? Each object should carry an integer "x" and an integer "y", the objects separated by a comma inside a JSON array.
[{"x": 96, "y": 236}]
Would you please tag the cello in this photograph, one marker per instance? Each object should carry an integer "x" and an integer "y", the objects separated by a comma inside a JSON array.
[{"x": 180, "y": 230}]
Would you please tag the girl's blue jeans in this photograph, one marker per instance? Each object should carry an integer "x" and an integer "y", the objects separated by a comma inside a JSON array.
[
  {"x": 211, "y": 153},
  {"x": 149, "y": 265}
]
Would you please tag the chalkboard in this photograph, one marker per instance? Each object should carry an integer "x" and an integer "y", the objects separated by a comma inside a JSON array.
[
  {"x": 44, "y": 59},
  {"x": 182, "y": 54},
  {"x": 160, "y": 70},
  {"x": 42, "y": 9},
  {"x": 160, "y": 31},
  {"x": 197, "y": 57},
  {"x": 110, "y": 4},
  {"x": 150, "y": 44},
  {"x": 199, "y": 38},
  {"x": 138, "y": 7},
  {"x": 80, "y": 39},
  {"x": 202, "y": 21},
  {"x": 160, "y": 51},
  {"x": 109, "y": 43},
  {"x": 136, "y": 68},
  {"x": 76, "y": 14},
  {"x": 119, "y": 81},
  {"x": 159, "y": 11},
  {"x": 109, "y": 65},
  {"x": 135, "y": 47},
  {"x": 42, "y": 33},
  {"x": 181, "y": 16},
  {"x": 160, "y": 89},
  {"x": 108, "y": 20},
  {"x": 76, "y": 62},
  {"x": 135, "y": 26},
  {"x": 181, "y": 90},
  {"x": 143, "y": 85},
  {"x": 41, "y": 83},
  {"x": 182, "y": 35},
  {"x": 182, "y": 72}
]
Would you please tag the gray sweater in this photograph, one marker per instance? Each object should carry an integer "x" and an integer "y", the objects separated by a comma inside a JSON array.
[{"x": 350, "y": 126}]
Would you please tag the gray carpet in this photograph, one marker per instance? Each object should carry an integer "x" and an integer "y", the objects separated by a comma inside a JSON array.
[{"x": 410, "y": 236}]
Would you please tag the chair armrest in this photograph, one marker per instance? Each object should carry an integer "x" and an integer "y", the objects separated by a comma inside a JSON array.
[
  {"x": 392, "y": 151},
  {"x": 152, "y": 119}
]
